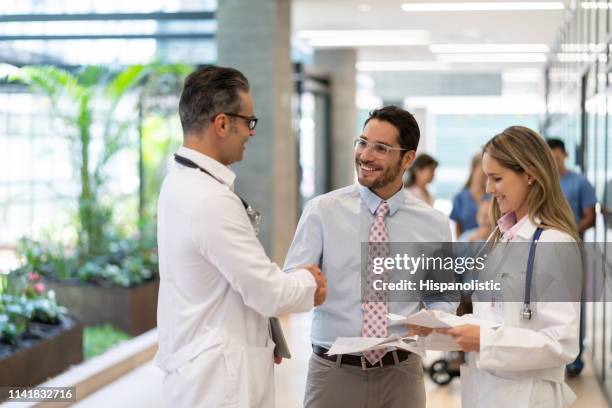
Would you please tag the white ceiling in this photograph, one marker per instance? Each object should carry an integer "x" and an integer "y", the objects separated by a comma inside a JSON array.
[{"x": 446, "y": 27}]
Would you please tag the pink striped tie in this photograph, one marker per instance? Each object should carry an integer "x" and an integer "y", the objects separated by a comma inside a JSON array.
[{"x": 375, "y": 308}]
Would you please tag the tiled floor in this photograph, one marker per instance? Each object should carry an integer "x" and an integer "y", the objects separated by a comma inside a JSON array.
[{"x": 142, "y": 387}]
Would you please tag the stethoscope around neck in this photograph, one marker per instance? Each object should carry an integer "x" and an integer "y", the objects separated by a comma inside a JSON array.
[
  {"x": 253, "y": 215},
  {"x": 526, "y": 312}
]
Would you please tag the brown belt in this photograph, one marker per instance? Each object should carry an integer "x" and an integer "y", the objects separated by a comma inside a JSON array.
[{"x": 391, "y": 358}]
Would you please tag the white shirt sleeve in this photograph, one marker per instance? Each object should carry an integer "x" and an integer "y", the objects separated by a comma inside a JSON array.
[{"x": 225, "y": 236}]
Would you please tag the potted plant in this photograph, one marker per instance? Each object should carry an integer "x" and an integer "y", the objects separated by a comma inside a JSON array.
[
  {"x": 38, "y": 339},
  {"x": 107, "y": 276}
]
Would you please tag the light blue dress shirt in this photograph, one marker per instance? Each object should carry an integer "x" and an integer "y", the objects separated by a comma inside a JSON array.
[{"x": 330, "y": 233}]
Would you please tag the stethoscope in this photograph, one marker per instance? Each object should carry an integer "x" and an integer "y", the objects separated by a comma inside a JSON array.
[
  {"x": 254, "y": 215},
  {"x": 526, "y": 312}
]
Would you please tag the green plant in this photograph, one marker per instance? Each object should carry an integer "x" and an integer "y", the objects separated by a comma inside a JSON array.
[
  {"x": 98, "y": 339},
  {"x": 46, "y": 257},
  {"x": 83, "y": 99},
  {"x": 15, "y": 313},
  {"x": 29, "y": 301},
  {"x": 129, "y": 261}
]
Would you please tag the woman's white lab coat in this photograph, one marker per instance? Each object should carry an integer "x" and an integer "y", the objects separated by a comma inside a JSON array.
[{"x": 521, "y": 364}]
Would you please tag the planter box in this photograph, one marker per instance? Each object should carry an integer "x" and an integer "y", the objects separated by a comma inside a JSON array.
[
  {"x": 133, "y": 310},
  {"x": 36, "y": 360}
]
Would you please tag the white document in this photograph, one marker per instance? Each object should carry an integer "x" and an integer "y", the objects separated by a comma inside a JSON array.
[
  {"x": 352, "y": 345},
  {"x": 436, "y": 319}
]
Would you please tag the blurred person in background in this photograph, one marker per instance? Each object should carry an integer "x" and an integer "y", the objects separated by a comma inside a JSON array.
[
  {"x": 466, "y": 203},
  {"x": 420, "y": 174},
  {"x": 576, "y": 188},
  {"x": 580, "y": 195},
  {"x": 484, "y": 228}
]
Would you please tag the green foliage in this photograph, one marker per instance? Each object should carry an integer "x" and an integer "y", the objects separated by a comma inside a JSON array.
[
  {"x": 83, "y": 99},
  {"x": 15, "y": 313},
  {"x": 26, "y": 300},
  {"x": 128, "y": 262},
  {"x": 98, "y": 339}
]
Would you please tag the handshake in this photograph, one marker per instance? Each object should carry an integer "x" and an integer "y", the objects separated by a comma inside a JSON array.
[{"x": 321, "y": 292}]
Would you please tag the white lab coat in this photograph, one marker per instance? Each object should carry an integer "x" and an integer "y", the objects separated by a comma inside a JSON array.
[
  {"x": 217, "y": 290},
  {"x": 522, "y": 363}
]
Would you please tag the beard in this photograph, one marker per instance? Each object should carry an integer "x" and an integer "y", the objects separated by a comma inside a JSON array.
[{"x": 387, "y": 176}]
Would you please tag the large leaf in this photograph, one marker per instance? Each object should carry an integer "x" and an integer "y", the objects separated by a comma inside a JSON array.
[{"x": 53, "y": 81}]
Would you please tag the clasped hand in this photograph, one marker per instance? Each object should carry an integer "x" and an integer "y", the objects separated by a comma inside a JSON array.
[{"x": 321, "y": 292}]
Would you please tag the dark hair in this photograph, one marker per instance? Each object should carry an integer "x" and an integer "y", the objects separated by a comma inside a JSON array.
[
  {"x": 422, "y": 161},
  {"x": 403, "y": 120},
  {"x": 207, "y": 92},
  {"x": 556, "y": 144}
]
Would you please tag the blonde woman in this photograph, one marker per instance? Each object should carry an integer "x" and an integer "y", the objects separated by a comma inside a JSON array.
[{"x": 521, "y": 362}]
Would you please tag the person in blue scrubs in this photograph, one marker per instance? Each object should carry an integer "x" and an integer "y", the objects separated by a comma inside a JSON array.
[
  {"x": 577, "y": 190},
  {"x": 580, "y": 195},
  {"x": 466, "y": 202}
]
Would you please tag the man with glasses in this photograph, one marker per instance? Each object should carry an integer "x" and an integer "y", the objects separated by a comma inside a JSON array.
[
  {"x": 375, "y": 210},
  {"x": 218, "y": 288}
]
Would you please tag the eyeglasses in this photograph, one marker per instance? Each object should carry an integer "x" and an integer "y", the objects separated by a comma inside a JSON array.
[
  {"x": 251, "y": 120},
  {"x": 379, "y": 149}
]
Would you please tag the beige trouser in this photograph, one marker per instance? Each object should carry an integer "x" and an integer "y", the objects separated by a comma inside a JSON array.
[{"x": 393, "y": 386}]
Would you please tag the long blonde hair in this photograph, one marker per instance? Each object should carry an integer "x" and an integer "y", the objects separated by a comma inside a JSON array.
[
  {"x": 476, "y": 162},
  {"x": 522, "y": 150}
]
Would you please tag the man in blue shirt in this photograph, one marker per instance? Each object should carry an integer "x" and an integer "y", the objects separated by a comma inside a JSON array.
[
  {"x": 577, "y": 190},
  {"x": 330, "y": 233},
  {"x": 580, "y": 195}
]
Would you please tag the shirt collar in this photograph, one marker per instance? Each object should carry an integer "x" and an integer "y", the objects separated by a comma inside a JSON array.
[
  {"x": 523, "y": 228},
  {"x": 372, "y": 201},
  {"x": 220, "y": 171}
]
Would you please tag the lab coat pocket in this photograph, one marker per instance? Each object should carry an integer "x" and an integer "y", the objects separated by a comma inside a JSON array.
[
  {"x": 251, "y": 369},
  {"x": 260, "y": 365},
  {"x": 481, "y": 389},
  {"x": 196, "y": 378}
]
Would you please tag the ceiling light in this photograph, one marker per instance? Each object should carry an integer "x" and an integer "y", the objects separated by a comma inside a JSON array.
[
  {"x": 486, "y": 48},
  {"x": 484, "y": 6},
  {"x": 522, "y": 75},
  {"x": 591, "y": 47},
  {"x": 591, "y": 5},
  {"x": 516, "y": 57},
  {"x": 356, "y": 38},
  {"x": 364, "y": 7},
  {"x": 402, "y": 66}
]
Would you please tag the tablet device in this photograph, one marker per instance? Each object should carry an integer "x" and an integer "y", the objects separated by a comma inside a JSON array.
[{"x": 281, "y": 349}]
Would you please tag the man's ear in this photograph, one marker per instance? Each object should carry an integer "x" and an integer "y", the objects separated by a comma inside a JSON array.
[
  {"x": 222, "y": 125},
  {"x": 408, "y": 159}
]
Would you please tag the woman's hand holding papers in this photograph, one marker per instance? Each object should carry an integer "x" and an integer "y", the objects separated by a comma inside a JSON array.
[{"x": 467, "y": 336}]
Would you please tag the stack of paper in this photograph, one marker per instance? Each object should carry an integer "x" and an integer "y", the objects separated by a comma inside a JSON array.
[
  {"x": 351, "y": 345},
  {"x": 436, "y": 319},
  {"x": 433, "y": 319}
]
